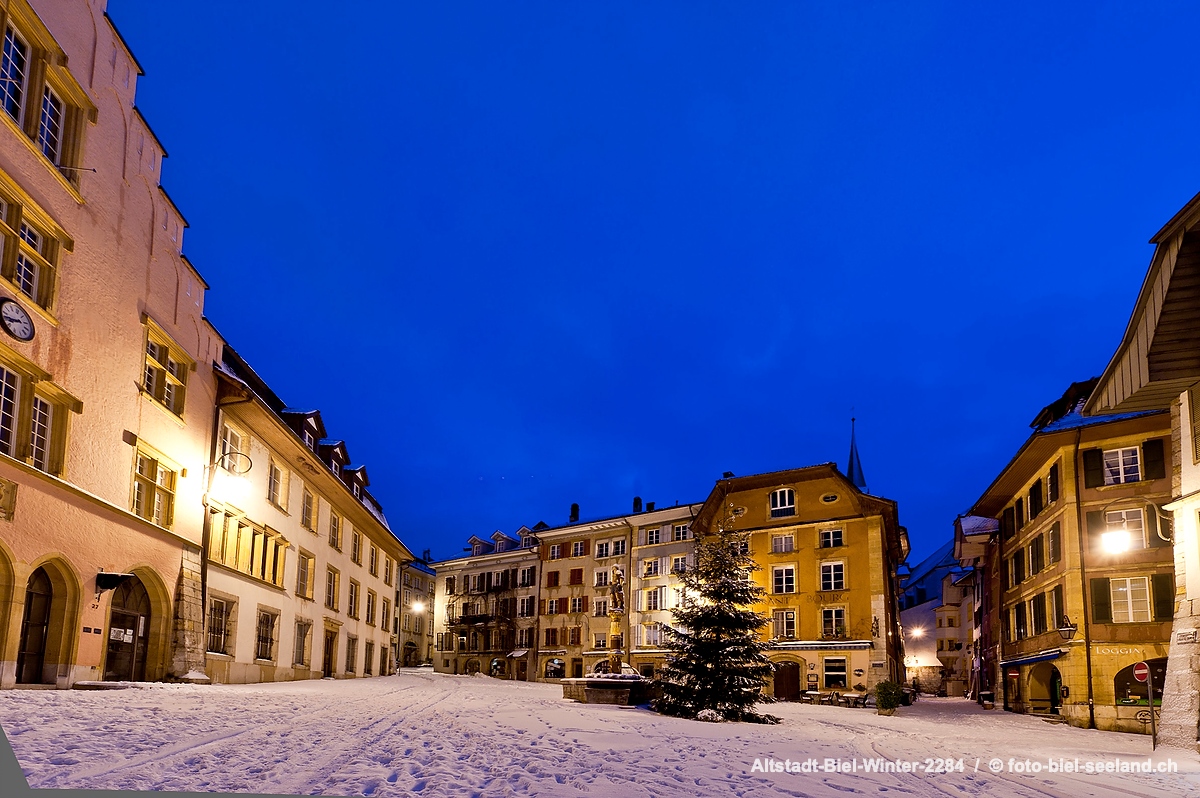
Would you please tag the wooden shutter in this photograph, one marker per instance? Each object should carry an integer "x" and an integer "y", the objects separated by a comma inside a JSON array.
[
  {"x": 564, "y": 606},
  {"x": 1055, "y": 543},
  {"x": 641, "y": 537},
  {"x": 587, "y": 547},
  {"x": 1019, "y": 509},
  {"x": 1008, "y": 526},
  {"x": 1193, "y": 396},
  {"x": 542, "y": 607},
  {"x": 1035, "y": 499},
  {"x": 1095, "y": 528},
  {"x": 1052, "y": 484},
  {"x": 1093, "y": 468},
  {"x": 1101, "y": 601},
  {"x": 1153, "y": 463},
  {"x": 1162, "y": 588},
  {"x": 585, "y": 605},
  {"x": 1059, "y": 607},
  {"x": 1153, "y": 539},
  {"x": 487, "y": 581},
  {"x": 1036, "y": 555},
  {"x": 1004, "y": 583}
]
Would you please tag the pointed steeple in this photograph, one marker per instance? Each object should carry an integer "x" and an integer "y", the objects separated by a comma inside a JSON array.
[{"x": 854, "y": 467}]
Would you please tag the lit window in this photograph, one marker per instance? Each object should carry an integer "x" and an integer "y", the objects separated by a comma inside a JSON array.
[
  {"x": 650, "y": 567},
  {"x": 679, "y": 564},
  {"x": 833, "y": 622},
  {"x": 835, "y": 672},
  {"x": 153, "y": 490},
  {"x": 785, "y": 623},
  {"x": 1130, "y": 600},
  {"x": 782, "y": 543},
  {"x": 783, "y": 503},
  {"x": 1126, "y": 531},
  {"x": 166, "y": 380}
]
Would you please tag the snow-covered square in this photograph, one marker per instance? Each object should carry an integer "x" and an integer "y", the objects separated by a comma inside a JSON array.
[{"x": 439, "y": 735}]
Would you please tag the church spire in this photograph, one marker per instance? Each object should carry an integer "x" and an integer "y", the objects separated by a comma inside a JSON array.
[{"x": 854, "y": 467}]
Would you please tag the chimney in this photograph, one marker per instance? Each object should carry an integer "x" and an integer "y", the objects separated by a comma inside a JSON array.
[
  {"x": 574, "y": 513},
  {"x": 637, "y": 504},
  {"x": 727, "y": 475},
  {"x": 649, "y": 507}
]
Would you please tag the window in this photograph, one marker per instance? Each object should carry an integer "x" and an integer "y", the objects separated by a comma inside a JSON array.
[
  {"x": 551, "y": 637},
  {"x": 601, "y": 641},
  {"x": 835, "y": 672},
  {"x": 525, "y": 638},
  {"x": 331, "y": 588},
  {"x": 618, "y": 547},
  {"x": 373, "y": 560},
  {"x": 351, "y": 654},
  {"x": 166, "y": 382},
  {"x": 1018, "y": 568},
  {"x": 254, "y": 550},
  {"x": 552, "y": 607},
  {"x": 356, "y": 546},
  {"x": 574, "y": 636},
  {"x": 335, "y": 531},
  {"x": 785, "y": 623},
  {"x": 368, "y": 657},
  {"x": 1037, "y": 555},
  {"x": 652, "y": 634},
  {"x": 833, "y": 576},
  {"x": 601, "y": 550},
  {"x": 784, "y": 579},
  {"x": 1126, "y": 530},
  {"x": 650, "y": 567},
  {"x": 1130, "y": 599},
  {"x": 525, "y": 607},
  {"x": 576, "y": 576},
  {"x": 310, "y": 440},
  {"x": 387, "y": 571},
  {"x": 528, "y": 577},
  {"x": 1019, "y": 618},
  {"x": 653, "y": 536},
  {"x": 1037, "y": 610},
  {"x": 385, "y": 616},
  {"x": 308, "y": 512},
  {"x": 352, "y": 602},
  {"x": 782, "y": 543},
  {"x": 218, "y": 626},
  {"x": 600, "y": 608},
  {"x": 831, "y": 538},
  {"x": 303, "y": 639},
  {"x": 601, "y": 577},
  {"x": 153, "y": 490},
  {"x": 1054, "y": 544},
  {"x": 680, "y": 532},
  {"x": 552, "y": 579},
  {"x": 653, "y": 599},
  {"x": 305, "y": 574},
  {"x": 277, "y": 485},
  {"x": 578, "y": 604},
  {"x": 264, "y": 636},
  {"x": 450, "y": 585},
  {"x": 578, "y": 548},
  {"x": 556, "y": 551},
  {"x": 14, "y": 73},
  {"x": 40, "y": 434},
  {"x": 32, "y": 269},
  {"x": 1121, "y": 465},
  {"x": 370, "y": 608},
  {"x": 833, "y": 622},
  {"x": 783, "y": 503},
  {"x": 679, "y": 564}
]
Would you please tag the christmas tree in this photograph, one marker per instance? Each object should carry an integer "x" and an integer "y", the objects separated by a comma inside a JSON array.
[{"x": 718, "y": 665}]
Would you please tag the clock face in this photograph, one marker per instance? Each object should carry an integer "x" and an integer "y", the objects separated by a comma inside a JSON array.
[{"x": 15, "y": 320}]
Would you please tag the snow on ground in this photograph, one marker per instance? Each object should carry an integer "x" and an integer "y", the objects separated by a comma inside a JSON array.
[{"x": 438, "y": 735}]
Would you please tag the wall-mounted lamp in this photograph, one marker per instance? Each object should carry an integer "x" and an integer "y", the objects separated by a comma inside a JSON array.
[{"x": 1066, "y": 629}]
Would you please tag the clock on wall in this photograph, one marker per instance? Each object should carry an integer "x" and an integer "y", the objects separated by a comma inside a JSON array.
[{"x": 15, "y": 320}]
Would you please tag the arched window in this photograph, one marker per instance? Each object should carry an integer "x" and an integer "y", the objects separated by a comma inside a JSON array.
[
  {"x": 1130, "y": 691},
  {"x": 556, "y": 669}
]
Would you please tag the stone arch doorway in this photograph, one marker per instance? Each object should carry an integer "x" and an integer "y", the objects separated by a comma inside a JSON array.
[
  {"x": 472, "y": 667},
  {"x": 410, "y": 654},
  {"x": 35, "y": 629},
  {"x": 128, "y": 632},
  {"x": 787, "y": 681},
  {"x": 1045, "y": 688},
  {"x": 49, "y": 622}
]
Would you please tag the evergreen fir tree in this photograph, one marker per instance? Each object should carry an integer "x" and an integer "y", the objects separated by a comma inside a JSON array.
[{"x": 717, "y": 661}]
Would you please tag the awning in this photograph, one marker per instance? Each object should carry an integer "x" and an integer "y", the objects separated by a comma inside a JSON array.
[
  {"x": 1029, "y": 659},
  {"x": 520, "y": 652}
]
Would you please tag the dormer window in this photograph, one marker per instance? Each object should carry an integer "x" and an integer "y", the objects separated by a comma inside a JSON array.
[
  {"x": 500, "y": 545},
  {"x": 310, "y": 440},
  {"x": 527, "y": 542},
  {"x": 783, "y": 503},
  {"x": 477, "y": 549},
  {"x": 357, "y": 491}
]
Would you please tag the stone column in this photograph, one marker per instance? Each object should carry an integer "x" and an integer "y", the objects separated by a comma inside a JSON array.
[{"x": 187, "y": 633}]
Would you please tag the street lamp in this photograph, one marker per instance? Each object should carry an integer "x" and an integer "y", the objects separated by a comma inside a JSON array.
[{"x": 1066, "y": 629}]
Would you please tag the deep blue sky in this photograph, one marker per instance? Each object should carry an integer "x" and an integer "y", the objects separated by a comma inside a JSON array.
[{"x": 528, "y": 254}]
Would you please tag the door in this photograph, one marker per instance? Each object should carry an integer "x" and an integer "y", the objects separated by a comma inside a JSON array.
[
  {"x": 522, "y": 670},
  {"x": 128, "y": 633},
  {"x": 1055, "y": 691},
  {"x": 35, "y": 625},
  {"x": 787, "y": 681},
  {"x": 330, "y": 653},
  {"x": 577, "y": 668}
]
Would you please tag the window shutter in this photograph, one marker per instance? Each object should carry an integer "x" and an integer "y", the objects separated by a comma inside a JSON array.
[
  {"x": 1055, "y": 543},
  {"x": 1035, "y": 499},
  {"x": 1059, "y": 607},
  {"x": 1004, "y": 576},
  {"x": 1052, "y": 484},
  {"x": 1163, "y": 590},
  {"x": 1193, "y": 396},
  {"x": 1093, "y": 468},
  {"x": 1008, "y": 526},
  {"x": 542, "y": 607},
  {"x": 1101, "y": 601},
  {"x": 1095, "y": 528},
  {"x": 1153, "y": 539},
  {"x": 641, "y": 537},
  {"x": 1153, "y": 464},
  {"x": 664, "y": 565},
  {"x": 564, "y": 606},
  {"x": 1019, "y": 509},
  {"x": 585, "y": 604},
  {"x": 587, "y": 547},
  {"x": 487, "y": 581}
]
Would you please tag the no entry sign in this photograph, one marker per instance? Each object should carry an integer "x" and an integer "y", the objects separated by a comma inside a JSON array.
[{"x": 1141, "y": 671}]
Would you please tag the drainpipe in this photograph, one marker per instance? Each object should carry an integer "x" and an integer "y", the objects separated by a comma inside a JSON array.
[{"x": 1087, "y": 621}]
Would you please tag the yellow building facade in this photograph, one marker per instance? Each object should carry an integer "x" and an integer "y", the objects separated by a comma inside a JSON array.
[{"x": 827, "y": 556}]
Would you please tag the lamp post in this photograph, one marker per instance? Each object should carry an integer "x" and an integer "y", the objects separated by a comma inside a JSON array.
[{"x": 238, "y": 465}]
